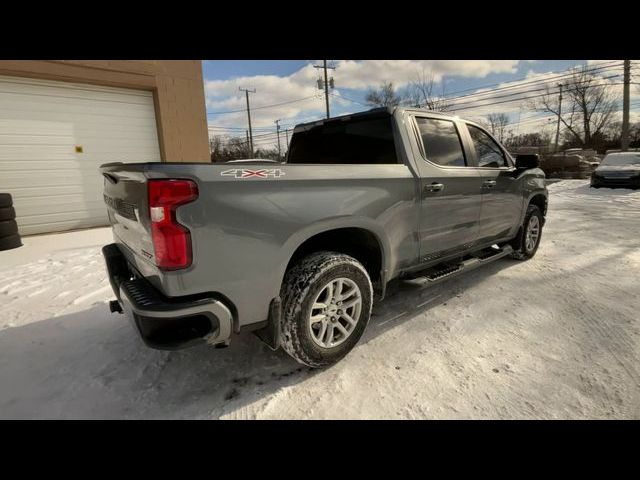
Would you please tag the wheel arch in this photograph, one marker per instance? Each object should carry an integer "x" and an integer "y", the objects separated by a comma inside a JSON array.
[{"x": 363, "y": 240}]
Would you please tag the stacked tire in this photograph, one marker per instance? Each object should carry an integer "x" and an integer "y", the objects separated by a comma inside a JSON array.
[{"x": 9, "y": 237}]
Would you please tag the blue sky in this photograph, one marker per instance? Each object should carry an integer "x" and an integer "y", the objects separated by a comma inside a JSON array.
[{"x": 287, "y": 90}]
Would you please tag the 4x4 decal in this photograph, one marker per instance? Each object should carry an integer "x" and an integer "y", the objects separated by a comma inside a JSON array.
[{"x": 246, "y": 173}]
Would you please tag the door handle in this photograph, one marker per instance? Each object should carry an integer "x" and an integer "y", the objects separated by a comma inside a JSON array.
[
  {"x": 489, "y": 183},
  {"x": 434, "y": 187}
]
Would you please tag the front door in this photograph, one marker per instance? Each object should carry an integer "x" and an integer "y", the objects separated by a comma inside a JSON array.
[
  {"x": 501, "y": 197},
  {"x": 451, "y": 189}
]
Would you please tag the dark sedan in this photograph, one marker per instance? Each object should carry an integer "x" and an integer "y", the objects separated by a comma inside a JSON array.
[{"x": 619, "y": 169}]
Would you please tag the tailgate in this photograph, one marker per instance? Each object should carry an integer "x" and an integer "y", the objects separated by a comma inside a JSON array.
[{"x": 125, "y": 194}]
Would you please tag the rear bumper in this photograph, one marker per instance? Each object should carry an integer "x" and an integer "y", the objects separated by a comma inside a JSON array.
[{"x": 167, "y": 323}]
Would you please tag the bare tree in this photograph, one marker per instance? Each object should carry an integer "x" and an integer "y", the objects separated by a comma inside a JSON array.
[
  {"x": 385, "y": 96},
  {"x": 534, "y": 139},
  {"x": 420, "y": 93},
  {"x": 497, "y": 125},
  {"x": 224, "y": 148},
  {"x": 588, "y": 106}
]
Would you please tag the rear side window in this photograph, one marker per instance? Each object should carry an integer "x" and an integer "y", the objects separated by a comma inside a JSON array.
[
  {"x": 488, "y": 151},
  {"x": 355, "y": 141},
  {"x": 442, "y": 144}
]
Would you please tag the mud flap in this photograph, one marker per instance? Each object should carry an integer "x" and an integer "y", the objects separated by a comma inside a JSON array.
[{"x": 270, "y": 334}]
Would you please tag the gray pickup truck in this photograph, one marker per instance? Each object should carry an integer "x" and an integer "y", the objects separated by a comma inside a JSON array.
[{"x": 297, "y": 251}]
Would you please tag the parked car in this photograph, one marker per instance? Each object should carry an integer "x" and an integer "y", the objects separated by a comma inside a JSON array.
[
  {"x": 620, "y": 169},
  {"x": 567, "y": 165},
  {"x": 299, "y": 251}
]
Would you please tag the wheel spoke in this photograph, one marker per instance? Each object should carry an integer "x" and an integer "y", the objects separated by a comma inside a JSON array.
[
  {"x": 351, "y": 303},
  {"x": 317, "y": 318},
  {"x": 323, "y": 330},
  {"x": 329, "y": 289},
  {"x": 339, "y": 326},
  {"x": 348, "y": 318},
  {"x": 349, "y": 294},
  {"x": 329, "y": 338},
  {"x": 338, "y": 292},
  {"x": 318, "y": 305}
]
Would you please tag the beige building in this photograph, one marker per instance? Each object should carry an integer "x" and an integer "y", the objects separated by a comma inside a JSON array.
[{"x": 61, "y": 119}]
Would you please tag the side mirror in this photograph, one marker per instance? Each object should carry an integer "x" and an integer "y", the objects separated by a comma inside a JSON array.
[{"x": 524, "y": 162}]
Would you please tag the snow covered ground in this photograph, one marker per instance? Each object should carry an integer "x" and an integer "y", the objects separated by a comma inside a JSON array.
[{"x": 555, "y": 337}]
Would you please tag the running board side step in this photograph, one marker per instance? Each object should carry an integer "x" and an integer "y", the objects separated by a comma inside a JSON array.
[{"x": 441, "y": 272}]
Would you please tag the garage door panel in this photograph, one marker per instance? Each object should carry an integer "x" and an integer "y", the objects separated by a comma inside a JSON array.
[
  {"x": 38, "y": 206},
  {"x": 28, "y": 192},
  {"x": 46, "y": 122},
  {"x": 55, "y": 187},
  {"x": 47, "y": 140},
  {"x": 17, "y": 180},
  {"x": 45, "y": 166},
  {"x": 98, "y": 93},
  {"x": 84, "y": 108},
  {"x": 46, "y": 224}
]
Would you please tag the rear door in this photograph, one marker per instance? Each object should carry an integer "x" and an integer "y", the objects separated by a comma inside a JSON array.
[
  {"x": 501, "y": 197},
  {"x": 451, "y": 188}
]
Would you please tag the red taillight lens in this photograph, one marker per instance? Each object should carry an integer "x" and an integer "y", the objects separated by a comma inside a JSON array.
[{"x": 171, "y": 240}]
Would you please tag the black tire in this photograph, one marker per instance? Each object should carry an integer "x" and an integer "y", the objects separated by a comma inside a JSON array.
[
  {"x": 12, "y": 241},
  {"x": 7, "y": 213},
  {"x": 520, "y": 250},
  {"x": 302, "y": 284},
  {"x": 5, "y": 200},
  {"x": 8, "y": 227}
]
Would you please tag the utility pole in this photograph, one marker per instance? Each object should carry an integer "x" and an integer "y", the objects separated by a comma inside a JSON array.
[
  {"x": 247, "y": 134},
  {"x": 286, "y": 132},
  {"x": 246, "y": 91},
  {"x": 559, "y": 117},
  {"x": 278, "y": 133},
  {"x": 326, "y": 83},
  {"x": 624, "y": 140}
]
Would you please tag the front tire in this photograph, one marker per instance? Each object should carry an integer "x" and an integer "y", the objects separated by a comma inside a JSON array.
[
  {"x": 327, "y": 299},
  {"x": 529, "y": 235}
]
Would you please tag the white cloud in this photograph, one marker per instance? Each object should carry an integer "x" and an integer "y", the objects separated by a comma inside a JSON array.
[
  {"x": 224, "y": 96},
  {"x": 531, "y": 121}
]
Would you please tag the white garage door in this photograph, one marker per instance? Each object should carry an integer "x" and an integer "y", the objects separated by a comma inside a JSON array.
[{"x": 53, "y": 138}]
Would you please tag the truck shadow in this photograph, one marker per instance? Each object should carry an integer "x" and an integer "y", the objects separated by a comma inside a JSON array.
[{"x": 90, "y": 364}]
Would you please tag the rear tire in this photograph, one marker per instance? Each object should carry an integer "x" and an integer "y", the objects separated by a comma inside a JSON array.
[
  {"x": 526, "y": 243},
  {"x": 317, "y": 330}
]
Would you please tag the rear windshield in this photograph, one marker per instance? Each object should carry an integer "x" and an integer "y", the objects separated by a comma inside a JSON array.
[
  {"x": 368, "y": 140},
  {"x": 619, "y": 160}
]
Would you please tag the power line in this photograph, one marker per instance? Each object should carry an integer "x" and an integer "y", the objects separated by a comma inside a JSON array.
[
  {"x": 536, "y": 82},
  {"x": 570, "y": 72},
  {"x": 264, "y": 106},
  {"x": 557, "y": 76},
  {"x": 533, "y": 90},
  {"x": 519, "y": 99}
]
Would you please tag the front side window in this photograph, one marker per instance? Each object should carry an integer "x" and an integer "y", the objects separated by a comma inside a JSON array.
[
  {"x": 489, "y": 153},
  {"x": 442, "y": 144}
]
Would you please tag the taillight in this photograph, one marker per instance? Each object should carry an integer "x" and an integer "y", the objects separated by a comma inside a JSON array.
[{"x": 171, "y": 240}]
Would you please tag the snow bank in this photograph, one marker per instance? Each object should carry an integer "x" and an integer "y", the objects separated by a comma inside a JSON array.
[{"x": 554, "y": 337}]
